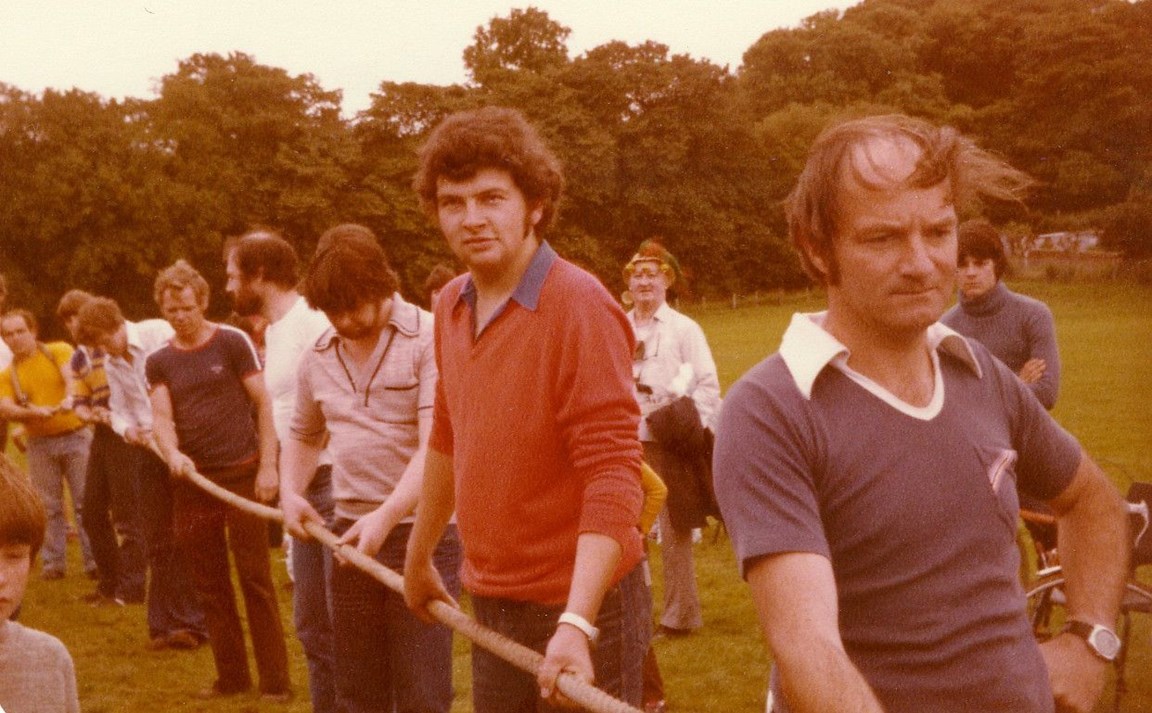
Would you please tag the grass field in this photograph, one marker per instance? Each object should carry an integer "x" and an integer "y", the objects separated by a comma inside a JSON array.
[{"x": 1105, "y": 334}]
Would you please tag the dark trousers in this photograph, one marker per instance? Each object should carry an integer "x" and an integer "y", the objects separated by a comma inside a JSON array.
[
  {"x": 387, "y": 660},
  {"x": 172, "y": 602},
  {"x": 625, "y": 623},
  {"x": 653, "y": 681},
  {"x": 207, "y": 529},
  {"x": 111, "y": 496}
]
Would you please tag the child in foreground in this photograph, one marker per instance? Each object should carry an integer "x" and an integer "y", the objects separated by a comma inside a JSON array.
[{"x": 36, "y": 672}]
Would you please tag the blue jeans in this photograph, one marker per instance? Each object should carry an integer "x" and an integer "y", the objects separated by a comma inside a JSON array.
[
  {"x": 172, "y": 603},
  {"x": 52, "y": 461},
  {"x": 387, "y": 660},
  {"x": 312, "y": 599},
  {"x": 111, "y": 506},
  {"x": 625, "y": 623}
]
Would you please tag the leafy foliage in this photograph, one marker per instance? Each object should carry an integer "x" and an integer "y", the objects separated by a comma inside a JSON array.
[
  {"x": 526, "y": 41},
  {"x": 98, "y": 194}
]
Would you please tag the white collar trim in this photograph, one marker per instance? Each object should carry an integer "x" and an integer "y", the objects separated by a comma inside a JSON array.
[{"x": 807, "y": 348}]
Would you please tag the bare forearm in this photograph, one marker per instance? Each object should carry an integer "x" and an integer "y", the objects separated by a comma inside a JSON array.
[
  {"x": 1093, "y": 544},
  {"x": 597, "y": 556},
  {"x": 269, "y": 444},
  {"x": 437, "y": 502},
  {"x": 164, "y": 425},
  {"x": 166, "y": 440},
  {"x": 569, "y": 648},
  {"x": 828, "y": 681},
  {"x": 20, "y": 414},
  {"x": 298, "y": 463},
  {"x": 402, "y": 502},
  {"x": 795, "y": 597},
  {"x": 10, "y": 411},
  {"x": 1092, "y": 525}
]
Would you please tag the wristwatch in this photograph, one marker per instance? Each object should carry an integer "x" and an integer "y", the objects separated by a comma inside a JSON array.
[
  {"x": 1102, "y": 640},
  {"x": 573, "y": 619}
]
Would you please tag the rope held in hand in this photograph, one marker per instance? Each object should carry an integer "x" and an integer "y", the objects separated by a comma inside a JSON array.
[{"x": 585, "y": 695}]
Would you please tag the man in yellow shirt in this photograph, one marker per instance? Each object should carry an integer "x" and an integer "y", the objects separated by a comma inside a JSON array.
[{"x": 33, "y": 391}]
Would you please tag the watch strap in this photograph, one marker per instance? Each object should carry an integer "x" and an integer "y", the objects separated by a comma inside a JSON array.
[
  {"x": 1087, "y": 631},
  {"x": 574, "y": 619}
]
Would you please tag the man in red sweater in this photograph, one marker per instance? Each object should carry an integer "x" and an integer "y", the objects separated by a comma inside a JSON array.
[{"x": 534, "y": 432}]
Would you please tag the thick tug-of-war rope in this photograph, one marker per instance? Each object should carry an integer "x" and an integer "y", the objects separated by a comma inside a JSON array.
[{"x": 583, "y": 694}]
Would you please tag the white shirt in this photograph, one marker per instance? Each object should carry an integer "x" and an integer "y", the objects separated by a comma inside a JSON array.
[
  {"x": 128, "y": 387},
  {"x": 670, "y": 340},
  {"x": 5, "y": 355},
  {"x": 285, "y": 341}
]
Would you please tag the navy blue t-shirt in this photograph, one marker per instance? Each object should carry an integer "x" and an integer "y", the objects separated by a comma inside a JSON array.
[
  {"x": 210, "y": 406},
  {"x": 917, "y": 517}
]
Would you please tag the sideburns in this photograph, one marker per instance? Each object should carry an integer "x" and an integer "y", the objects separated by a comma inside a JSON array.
[{"x": 529, "y": 225}]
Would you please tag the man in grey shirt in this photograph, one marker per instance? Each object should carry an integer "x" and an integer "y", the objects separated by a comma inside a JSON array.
[
  {"x": 867, "y": 472},
  {"x": 368, "y": 385}
]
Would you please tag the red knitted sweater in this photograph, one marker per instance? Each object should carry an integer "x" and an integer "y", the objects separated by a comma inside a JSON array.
[{"x": 539, "y": 418}]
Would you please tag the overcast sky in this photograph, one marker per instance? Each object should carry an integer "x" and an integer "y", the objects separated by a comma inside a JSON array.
[{"x": 120, "y": 48}]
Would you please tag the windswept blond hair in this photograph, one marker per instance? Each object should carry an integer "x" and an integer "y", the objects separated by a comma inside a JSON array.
[{"x": 813, "y": 207}]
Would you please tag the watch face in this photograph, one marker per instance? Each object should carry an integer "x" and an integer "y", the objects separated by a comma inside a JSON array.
[{"x": 1106, "y": 642}]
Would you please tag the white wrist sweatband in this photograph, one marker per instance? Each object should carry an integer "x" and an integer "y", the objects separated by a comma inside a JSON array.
[{"x": 580, "y": 623}]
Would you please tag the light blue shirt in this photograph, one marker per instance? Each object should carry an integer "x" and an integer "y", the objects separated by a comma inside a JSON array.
[{"x": 129, "y": 401}]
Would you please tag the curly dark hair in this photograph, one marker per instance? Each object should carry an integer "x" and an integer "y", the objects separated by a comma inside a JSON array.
[
  {"x": 492, "y": 137},
  {"x": 350, "y": 269}
]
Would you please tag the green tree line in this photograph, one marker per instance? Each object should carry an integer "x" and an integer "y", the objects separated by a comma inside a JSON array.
[{"x": 98, "y": 193}]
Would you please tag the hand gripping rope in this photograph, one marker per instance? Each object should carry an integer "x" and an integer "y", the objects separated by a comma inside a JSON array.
[{"x": 583, "y": 694}]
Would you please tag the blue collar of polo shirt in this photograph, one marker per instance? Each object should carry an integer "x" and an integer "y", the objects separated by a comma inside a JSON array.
[{"x": 527, "y": 293}]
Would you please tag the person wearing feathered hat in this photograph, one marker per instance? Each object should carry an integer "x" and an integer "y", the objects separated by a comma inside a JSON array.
[{"x": 673, "y": 361}]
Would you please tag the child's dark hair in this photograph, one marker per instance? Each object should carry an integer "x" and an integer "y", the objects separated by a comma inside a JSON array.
[{"x": 22, "y": 518}]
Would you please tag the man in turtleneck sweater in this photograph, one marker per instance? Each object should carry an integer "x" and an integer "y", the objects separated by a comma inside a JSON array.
[{"x": 1018, "y": 330}]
